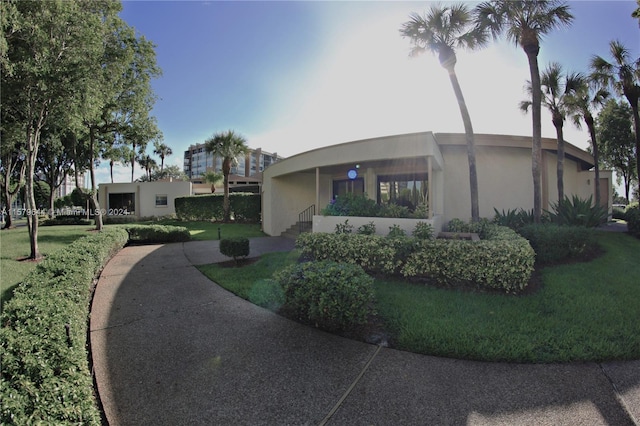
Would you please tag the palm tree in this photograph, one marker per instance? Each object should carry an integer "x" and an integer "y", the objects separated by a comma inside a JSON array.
[
  {"x": 524, "y": 23},
  {"x": 162, "y": 150},
  {"x": 441, "y": 30},
  {"x": 228, "y": 145},
  {"x": 581, "y": 103},
  {"x": 148, "y": 164},
  {"x": 623, "y": 75},
  {"x": 212, "y": 177},
  {"x": 555, "y": 88}
]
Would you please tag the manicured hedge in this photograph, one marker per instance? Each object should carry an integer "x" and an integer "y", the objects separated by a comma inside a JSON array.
[
  {"x": 503, "y": 260},
  {"x": 245, "y": 207},
  {"x": 235, "y": 247},
  {"x": 45, "y": 372},
  {"x": 555, "y": 244},
  {"x": 632, "y": 216},
  {"x": 155, "y": 234},
  {"x": 66, "y": 220}
]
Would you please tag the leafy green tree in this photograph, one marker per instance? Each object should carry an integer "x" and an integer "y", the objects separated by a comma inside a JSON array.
[
  {"x": 162, "y": 150},
  {"x": 582, "y": 103},
  {"x": 55, "y": 161},
  {"x": 48, "y": 47},
  {"x": 12, "y": 166},
  {"x": 555, "y": 87},
  {"x": 441, "y": 30},
  {"x": 525, "y": 23},
  {"x": 172, "y": 172},
  {"x": 615, "y": 134},
  {"x": 229, "y": 146},
  {"x": 623, "y": 76},
  {"x": 115, "y": 154},
  {"x": 636, "y": 13}
]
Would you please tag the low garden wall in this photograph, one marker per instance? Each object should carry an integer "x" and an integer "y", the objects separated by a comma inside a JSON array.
[{"x": 382, "y": 224}]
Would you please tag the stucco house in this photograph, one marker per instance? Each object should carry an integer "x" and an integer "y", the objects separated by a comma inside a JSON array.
[
  {"x": 142, "y": 199},
  {"x": 434, "y": 164}
]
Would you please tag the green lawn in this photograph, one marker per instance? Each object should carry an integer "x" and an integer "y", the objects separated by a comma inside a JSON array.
[
  {"x": 583, "y": 312},
  {"x": 201, "y": 231}
]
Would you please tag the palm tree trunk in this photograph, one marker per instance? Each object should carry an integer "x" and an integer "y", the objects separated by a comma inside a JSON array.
[
  {"x": 111, "y": 169},
  {"x": 594, "y": 146},
  {"x": 536, "y": 142},
  {"x": 557, "y": 123},
  {"x": 226, "y": 169},
  {"x": 471, "y": 147},
  {"x": 636, "y": 124}
]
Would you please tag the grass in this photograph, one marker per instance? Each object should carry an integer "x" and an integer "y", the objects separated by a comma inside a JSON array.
[
  {"x": 583, "y": 312},
  {"x": 201, "y": 231},
  {"x": 14, "y": 245}
]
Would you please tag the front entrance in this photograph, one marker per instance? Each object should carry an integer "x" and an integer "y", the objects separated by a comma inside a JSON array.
[{"x": 348, "y": 186}]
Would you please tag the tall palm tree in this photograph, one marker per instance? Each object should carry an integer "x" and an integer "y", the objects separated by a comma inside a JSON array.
[
  {"x": 524, "y": 23},
  {"x": 441, "y": 30},
  {"x": 148, "y": 164},
  {"x": 581, "y": 104},
  {"x": 228, "y": 145},
  {"x": 555, "y": 87},
  {"x": 162, "y": 150},
  {"x": 623, "y": 75}
]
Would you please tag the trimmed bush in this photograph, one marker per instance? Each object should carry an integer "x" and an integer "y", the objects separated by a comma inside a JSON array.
[
  {"x": 45, "y": 372},
  {"x": 235, "y": 247},
  {"x": 66, "y": 220},
  {"x": 632, "y": 216},
  {"x": 155, "y": 234},
  {"x": 329, "y": 295},
  {"x": 502, "y": 262},
  {"x": 554, "y": 244},
  {"x": 245, "y": 207},
  {"x": 423, "y": 231}
]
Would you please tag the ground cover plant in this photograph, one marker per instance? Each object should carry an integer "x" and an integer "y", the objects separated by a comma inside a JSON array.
[{"x": 579, "y": 312}]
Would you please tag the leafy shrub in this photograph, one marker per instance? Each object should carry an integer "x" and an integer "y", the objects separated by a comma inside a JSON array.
[
  {"x": 394, "y": 210},
  {"x": 396, "y": 232},
  {"x": 154, "y": 234},
  {"x": 618, "y": 212},
  {"x": 351, "y": 205},
  {"x": 483, "y": 227},
  {"x": 577, "y": 212},
  {"x": 66, "y": 220},
  {"x": 423, "y": 231},
  {"x": 374, "y": 253},
  {"x": 504, "y": 262},
  {"x": 235, "y": 247},
  {"x": 421, "y": 211},
  {"x": 330, "y": 295},
  {"x": 267, "y": 293},
  {"x": 367, "y": 229},
  {"x": 553, "y": 243},
  {"x": 344, "y": 228},
  {"x": 45, "y": 372},
  {"x": 632, "y": 216},
  {"x": 514, "y": 219},
  {"x": 245, "y": 207}
]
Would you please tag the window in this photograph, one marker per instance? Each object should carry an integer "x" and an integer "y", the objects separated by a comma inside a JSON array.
[
  {"x": 161, "y": 200},
  {"x": 341, "y": 187},
  {"x": 124, "y": 202},
  {"x": 408, "y": 190}
]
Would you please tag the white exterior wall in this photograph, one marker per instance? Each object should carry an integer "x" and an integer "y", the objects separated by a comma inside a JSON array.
[
  {"x": 328, "y": 223},
  {"x": 145, "y": 196}
]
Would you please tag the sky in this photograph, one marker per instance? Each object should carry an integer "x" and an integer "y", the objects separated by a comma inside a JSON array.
[{"x": 297, "y": 75}]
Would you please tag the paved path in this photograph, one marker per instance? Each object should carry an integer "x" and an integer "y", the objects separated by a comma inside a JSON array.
[{"x": 172, "y": 348}]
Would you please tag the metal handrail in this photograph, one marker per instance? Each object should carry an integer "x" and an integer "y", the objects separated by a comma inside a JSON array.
[{"x": 306, "y": 217}]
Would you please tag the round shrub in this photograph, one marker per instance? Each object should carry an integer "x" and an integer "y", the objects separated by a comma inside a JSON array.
[
  {"x": 235, "y": 247},
  {"x": 632, "y": 216},
  {"x": 329, "y": 295}
]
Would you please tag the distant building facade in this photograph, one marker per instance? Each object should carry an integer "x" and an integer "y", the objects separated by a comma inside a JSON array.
[
  {"x": 248, "y": 172},
  {"x": 69, "y": 184}
]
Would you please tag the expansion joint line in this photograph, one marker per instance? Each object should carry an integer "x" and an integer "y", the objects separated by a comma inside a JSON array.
[
  {"x": 619, "y": 396},
  {"x": 348, "y": 391}
]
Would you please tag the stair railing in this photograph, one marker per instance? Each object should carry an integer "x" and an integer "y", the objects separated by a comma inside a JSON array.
[{"x": 305, "y": 218}]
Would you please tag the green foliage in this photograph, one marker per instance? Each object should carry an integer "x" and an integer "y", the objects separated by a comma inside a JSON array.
[
  {"x": 374, "y": 253},
  {"x": 367, "y": 229},
  {"x": 514, "y": 219},
  {"x": 632, "y": 216},
  {"x": 344, "y": 228},
  {"x": 235, "y": 247},
  {"x": 267, "y": 293},
  {"x": 45, "y": 373},
  {"x": 423, "y": 231},
  {"x": 155, "y": 234},
  {"x": 503, "y": 262},
  {"x": 244, "y": 207},
  {"x": 66, "y": 220},
  {"x": 394, "y": 210},
  {"x": 329, "y": 295},
  {"x": 421, "y": 211},
  {"x": 554, "y": 243},
  {"x": 577, "y": 212},
  {"x": 618, "y": 212},
  {"x": 483, "y": 227},
  {"x": 396, "y": 232},
  {"x": 351, "y": 205}
]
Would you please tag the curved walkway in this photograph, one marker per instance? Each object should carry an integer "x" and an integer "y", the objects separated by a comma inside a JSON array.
[{"x": 172, "y": 348}]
